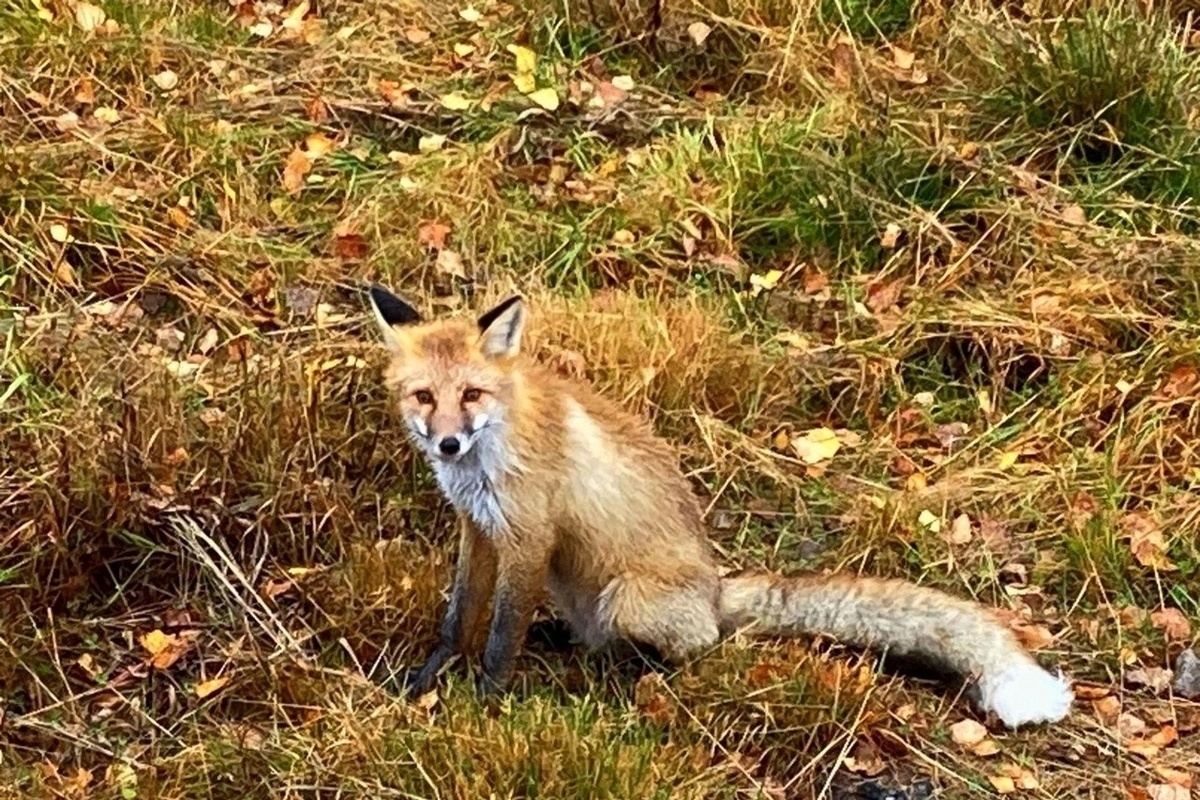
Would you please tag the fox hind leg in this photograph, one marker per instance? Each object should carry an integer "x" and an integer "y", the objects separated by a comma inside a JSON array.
[{"x": 676, "y": 621}]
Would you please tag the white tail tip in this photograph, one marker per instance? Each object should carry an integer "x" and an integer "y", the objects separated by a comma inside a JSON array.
[{"x": 1026, "y": 694}]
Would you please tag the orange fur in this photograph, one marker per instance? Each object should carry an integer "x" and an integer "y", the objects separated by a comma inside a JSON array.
[{"x": 561, "y": 490}]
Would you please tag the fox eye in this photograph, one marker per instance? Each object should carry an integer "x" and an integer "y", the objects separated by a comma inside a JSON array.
[
  {"x": 424, "y": 397},
  {"x": 472, "y": 395}
]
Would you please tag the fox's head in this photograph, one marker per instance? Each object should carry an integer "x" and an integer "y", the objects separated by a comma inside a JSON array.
[{"x": 453, "y": 378}]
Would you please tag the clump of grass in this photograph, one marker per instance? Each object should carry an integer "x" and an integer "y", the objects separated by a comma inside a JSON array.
[
  {"x": 1101, "y": 97},
  {"x": 869, "y": 19}
]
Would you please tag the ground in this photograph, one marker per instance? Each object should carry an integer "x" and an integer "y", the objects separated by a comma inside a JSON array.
[{"x": 912, "y": 286}]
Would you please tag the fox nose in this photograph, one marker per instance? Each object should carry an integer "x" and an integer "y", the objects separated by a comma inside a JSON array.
[{"x": 449, "y": 446}]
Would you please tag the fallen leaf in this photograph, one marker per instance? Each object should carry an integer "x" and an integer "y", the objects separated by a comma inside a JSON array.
[
  {"x": 164, "y": 649},
  {"x": 1181, "y": 382},
  {"x": 930, "y": 521},
  {"x": 211, "y": 686},
  {"x": 968, "y": 732},
  {"x": 89, "y": 17},
  {"x": 1172, "y": 623},
  {"x": 1178, "y": 777},
  {"x": 650, "y": 697},
  {"x": 60, "y": 234},
  {"x": 1074, "y": 215},
  {"x": 470, "y": 14},
  {"x": 546, "y": 98},
  {"x": 1146, "y": 541},
  {"x": 450, "y": 263},
  {"x": 623, "y": 82},
  {"x": 890, "y": 238},
  {"x": 1156, "y": 679},
  {"x": 178, "y": 217},
  {"x": 431, "y": 143},
  {"x": 208, "y": 341},
  {"x": 818, "y": 444},
  {"x": 765, "y": 281},
  {"x": 351, "y": 247},
  {"x": 1107, "y": 708},
  {"x": 455, "y": 101},
  {"x": 698, "y": 31},
  {"x": 986, "y": 748},
  {"x": 107, "y": 115},
  {"x": 865, "y": 761},
  {"x": 1008, "y": 460},
  {"x": 903, "y": 59},
  {"x": 66, "y": 121},
  {"x": 882, "y": 295},
  {"x": 463, "y": 50},
  {"x": 1168, "y": 791},
  {"x": 960, "y": 530},
  {"x": 1003, "y": 784},
  {"x": 297, "y": 166},
  {"x": 1130, "y": 725},
  {"x": 166, "y": 80},
  {"x": 416, "y": 35},
  {"x": 433, "y": 235}
]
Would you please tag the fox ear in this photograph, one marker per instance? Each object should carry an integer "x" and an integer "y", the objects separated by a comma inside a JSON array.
[
  {"x": 500, "y": 328},
  {"x": 390, "y": 311}
]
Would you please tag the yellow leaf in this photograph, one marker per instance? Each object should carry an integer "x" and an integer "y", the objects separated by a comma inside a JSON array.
[
  {"x": 205, "y": 688},
  {"x": 526, "y": 58},
  {"x": 455, "y": 101},
  {"x": 431, "y": 143},
  {"x": 156, "y": 641},
  {"x": 463, "y": 50},
  {"x": 1008, "y": 460},
  {"x": 766, "y": 281},
  {"x": 1002, "y": 784},
  {"x": 927, "y": 519},
  {"x": 818, "y": 444},
  {"x": 470, "y": 14},
  {"x": 524, "y": 82},
  {"x": 60, "y": 234},
  {"x": 546, "y": 98},
  {"x": 107, "y": 115},
  {"x": 318, "y": 144}
]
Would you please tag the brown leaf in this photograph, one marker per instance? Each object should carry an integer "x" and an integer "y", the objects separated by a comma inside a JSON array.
[
  {"x": 865, "y": 761},
  {"x": 1156, "y": 679},
  {"x": 651, "y": 698},
  {"x": 211, "y": 686},
  {"x": 316, "y": 111},
  {"x": 1181, "y": 382},
  {"x": 882, "y": 295},
  {"x": 297, "y": 166},
  {"x": 1175, "y": 776},
  {"x": 164, "y": 649},
  {"x": 1172, "y": 623},
  {"x": 814, "y": 281},
  {"x": 1107, "y": 709},
  {"x": 987, "y": 747},
  {"x": 433, "y": 235},
  {"x": 1146, "y": 541},
  {"x": 417, "y": 35},
  {"x": 844, "y": 62},
  {"x": 351, "y": 247},
  {"x": 1003, "y": 784}
]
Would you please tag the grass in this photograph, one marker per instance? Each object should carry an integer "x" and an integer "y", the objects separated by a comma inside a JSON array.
[{"x": 981, "y": 262}]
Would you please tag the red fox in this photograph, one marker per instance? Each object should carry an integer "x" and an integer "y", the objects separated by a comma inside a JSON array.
[{"x": 559, "y": 490}]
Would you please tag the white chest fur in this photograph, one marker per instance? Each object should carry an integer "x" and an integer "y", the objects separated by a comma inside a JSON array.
[{"x": 471, "y": 486}]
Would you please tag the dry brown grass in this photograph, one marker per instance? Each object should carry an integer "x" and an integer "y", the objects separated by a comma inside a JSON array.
[{"x": 195, "y": 440}]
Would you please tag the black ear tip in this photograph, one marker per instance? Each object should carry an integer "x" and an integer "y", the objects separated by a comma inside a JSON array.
[
  {"x": 494, "y": 313},
  {"x": 393, "y": 310}
]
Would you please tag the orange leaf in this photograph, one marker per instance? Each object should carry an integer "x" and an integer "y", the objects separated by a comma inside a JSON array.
[
  {"x": 297, "y": 166},
  {"x": 1172, "y": 623},
  {"x": 211, "y": 686}
]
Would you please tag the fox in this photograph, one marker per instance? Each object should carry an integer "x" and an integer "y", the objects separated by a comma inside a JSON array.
[{"x": 561, "y": 492}]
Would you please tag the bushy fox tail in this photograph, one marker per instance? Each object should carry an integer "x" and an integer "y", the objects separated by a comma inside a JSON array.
[{"x": 908, "y": 621}]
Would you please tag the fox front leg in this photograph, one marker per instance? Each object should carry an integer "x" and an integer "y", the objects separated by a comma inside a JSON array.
[
  {"x": 474, "y": 578},
  {"x": 521, "y": 575}
]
